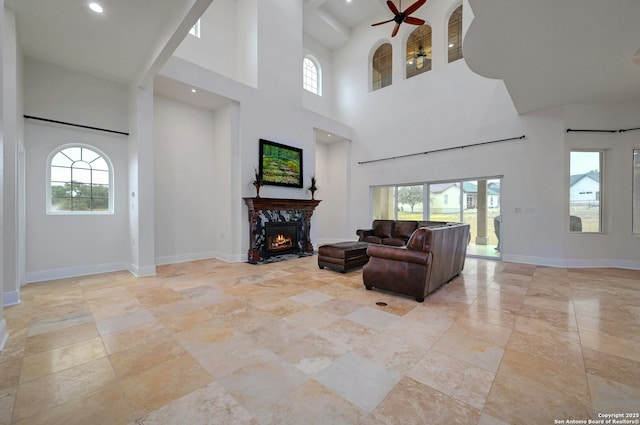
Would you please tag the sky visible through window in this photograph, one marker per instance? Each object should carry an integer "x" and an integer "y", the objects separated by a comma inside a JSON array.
[{"x": 583, "y": 162}]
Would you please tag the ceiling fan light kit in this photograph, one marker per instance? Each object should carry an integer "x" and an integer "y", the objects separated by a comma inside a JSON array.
[{"x": 400, "y": 17}]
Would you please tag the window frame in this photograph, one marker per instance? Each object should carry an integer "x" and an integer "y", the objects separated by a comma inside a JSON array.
[
  {"x": 415, "y": 40},
  {"x": 318, "y": 75},
  {"x": 599, "y": 195},
  {"x": 456, "y": 49},
  {"x": 388, "y": 79},
  {"x": 635, "y": 192},
  {"x": 48, "y": 201}
]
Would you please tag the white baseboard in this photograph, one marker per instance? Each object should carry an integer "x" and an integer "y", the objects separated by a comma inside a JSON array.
[
  {"x": 571, "y": 262},
  {"x": 195, "y": 256},
  {"x": 11, "y": 298},
  {"x": 68, "y": 272},
  {"x": 142, "y": 271}
]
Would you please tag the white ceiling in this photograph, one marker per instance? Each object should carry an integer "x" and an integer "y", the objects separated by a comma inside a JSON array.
[
  {"x": 548, "y": 52},
  {"x": 115, "y": 44}
]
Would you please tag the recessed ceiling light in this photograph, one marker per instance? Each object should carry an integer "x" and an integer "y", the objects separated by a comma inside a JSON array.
[
  {"x": 95, "y": 7},
  {"x": 451, "y": 45},
  {"x": 193, "y": 90}
]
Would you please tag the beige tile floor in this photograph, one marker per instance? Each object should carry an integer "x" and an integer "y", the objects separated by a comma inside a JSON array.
[{"x": 210, "y": 342}]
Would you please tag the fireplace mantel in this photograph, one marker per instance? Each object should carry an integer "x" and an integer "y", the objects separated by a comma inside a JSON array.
[
  {"x": 255, "y": 205},
  {"x": 281, "y": 204}
]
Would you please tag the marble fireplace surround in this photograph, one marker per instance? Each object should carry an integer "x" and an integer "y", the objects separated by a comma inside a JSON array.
[{"x": 263, "y": 210}]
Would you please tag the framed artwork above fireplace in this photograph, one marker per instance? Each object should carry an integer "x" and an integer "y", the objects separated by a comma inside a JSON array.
[{"x": 280, "y": 165}]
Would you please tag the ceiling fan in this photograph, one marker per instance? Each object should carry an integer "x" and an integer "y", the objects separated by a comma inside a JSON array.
[{"x": 401, "y": 17}]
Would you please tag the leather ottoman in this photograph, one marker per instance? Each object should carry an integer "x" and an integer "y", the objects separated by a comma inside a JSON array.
[{"x": 343, "y": 256}]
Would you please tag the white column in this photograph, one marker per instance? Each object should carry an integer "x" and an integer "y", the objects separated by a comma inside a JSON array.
[{"x": 141, "y": 198}]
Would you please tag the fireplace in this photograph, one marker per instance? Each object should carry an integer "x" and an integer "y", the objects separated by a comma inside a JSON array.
[
  {"x": 280, "y": 238},
  {"x": 278, "y": 227}
]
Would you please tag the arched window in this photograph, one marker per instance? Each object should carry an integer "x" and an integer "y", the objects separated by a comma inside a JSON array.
[
  {"x": 419, "y": 51},
  {"x": 455, "y": 35},
  {"x": 381, "y": 67},
  {"x": 80, "y": 180},
  {"x": 311, "y": 76}
]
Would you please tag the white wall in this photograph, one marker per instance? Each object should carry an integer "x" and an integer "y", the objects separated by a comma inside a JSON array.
[
  {"x": 321, "y": 104},
  {"x": 450, "y": 106},
  {"x": 192, "y": 148},
  {"x": 72, "y": 245},
  {"x": 58, "y": 93},
  {"x": 68, "y": 245},
  {"x": 217, "y": 46},
  {"x": 227, "y": 43},
  {"x": 332, "y": 173}
]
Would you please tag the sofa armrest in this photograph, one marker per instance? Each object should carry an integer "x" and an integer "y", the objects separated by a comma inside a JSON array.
[
  {"x": 362, "y": 233},
  {"x": 398, "y": 254}
]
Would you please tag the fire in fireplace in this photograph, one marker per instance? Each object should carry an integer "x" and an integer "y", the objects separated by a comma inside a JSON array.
[{"x": 280, "y": 238}]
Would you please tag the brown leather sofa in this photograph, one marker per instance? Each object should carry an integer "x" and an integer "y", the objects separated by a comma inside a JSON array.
[
  {"x": 432, "y": 257},
  {"x": 392, "y": 232}
]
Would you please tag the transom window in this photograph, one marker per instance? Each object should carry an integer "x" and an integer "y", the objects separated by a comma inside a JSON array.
[
  {"x": 381, "y": 68},
  {"x": 419, "y": 51},
  {"x": 455, "y": 35},
  {"x": 80, "y": 180},
  {"x": 310, "y": 76}
]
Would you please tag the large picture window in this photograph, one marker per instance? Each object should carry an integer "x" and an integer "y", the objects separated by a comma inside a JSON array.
[
  {"x": 476, "y": 202},
  {"x": 585, "y": 191},
  {"x": 80, "y": 181}
]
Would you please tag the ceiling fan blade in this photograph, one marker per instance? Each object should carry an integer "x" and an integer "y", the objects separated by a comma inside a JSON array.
[
  {"x": 415, "y": 6},
  {"x": 380, "y": 23},
  {"x": 395, "y": 30},
  {"x": 393, "y": 7},
  {"x": 413, "y": 21}
]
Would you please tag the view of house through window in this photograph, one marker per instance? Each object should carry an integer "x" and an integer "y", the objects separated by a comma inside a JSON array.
[
  {"x": 80, "y": 180},
  {"x": 636, "y": 191},
  {"x": 585, "y": 191},
  {"x": 476, "y": 202}
]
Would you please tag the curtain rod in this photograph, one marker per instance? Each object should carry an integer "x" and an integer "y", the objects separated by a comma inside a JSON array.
[
  {"x": 30, "y": 117},
  {"x": 622, "y": 130},
  {"x": 442, "y": 150}
]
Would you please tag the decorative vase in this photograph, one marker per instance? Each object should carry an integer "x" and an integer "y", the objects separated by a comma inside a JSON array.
[
  {"x": 313, "y": 191},
  {"x": 257, "y": 191}
]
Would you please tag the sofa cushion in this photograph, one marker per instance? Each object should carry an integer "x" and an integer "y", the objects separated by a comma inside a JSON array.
[
  {"x": 383, "y": 228},
  {"x": 404, "y": 229}
]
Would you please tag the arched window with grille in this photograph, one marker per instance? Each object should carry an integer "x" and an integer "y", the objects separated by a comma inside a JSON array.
[
  {"x": 311, "y": 75},
  {"x": 381, "y": 67},
  {"x": 80, "y": 180},
  {"x": 455, "y": 35},
  {"x": 419, "y": 51}
]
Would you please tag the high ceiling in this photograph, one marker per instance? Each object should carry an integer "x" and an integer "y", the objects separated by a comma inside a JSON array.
[
  {"x": 548, "y": 52},
  {"x": 552, "y": 53}
]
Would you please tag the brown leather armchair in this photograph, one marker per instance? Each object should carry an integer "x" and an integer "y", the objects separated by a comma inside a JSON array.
[{"x": 431, "y": 258}]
